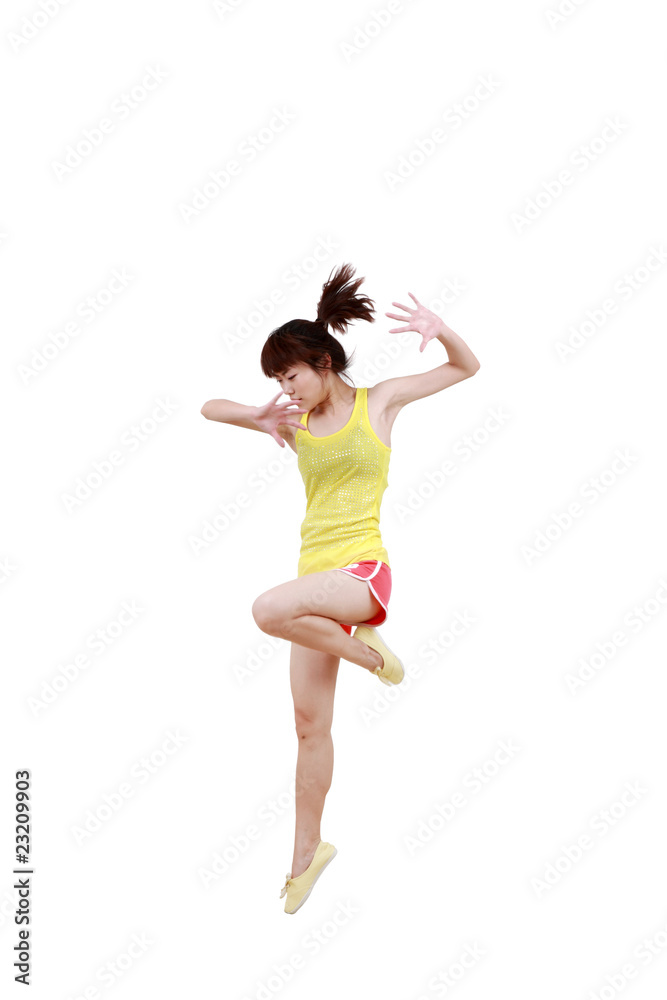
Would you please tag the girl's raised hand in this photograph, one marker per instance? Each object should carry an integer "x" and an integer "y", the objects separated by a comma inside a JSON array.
[
  {"x": 272, "y": 414},
  {"x": 420, "y": 320}
]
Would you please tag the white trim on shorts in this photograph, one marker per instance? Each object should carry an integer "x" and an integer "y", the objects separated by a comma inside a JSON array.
[{"x": 367, "y": 579}]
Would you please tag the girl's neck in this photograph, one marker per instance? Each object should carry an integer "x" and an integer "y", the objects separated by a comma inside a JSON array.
[{"x": 339, "y": 397}]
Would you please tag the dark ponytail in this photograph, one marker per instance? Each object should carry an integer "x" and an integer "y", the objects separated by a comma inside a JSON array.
[
  {"x": 339, "y": 302},
  {"x": 302, "y": 341}
]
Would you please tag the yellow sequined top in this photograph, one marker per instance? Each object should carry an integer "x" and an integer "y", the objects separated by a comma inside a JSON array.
[{"x": 345, "y": 475}]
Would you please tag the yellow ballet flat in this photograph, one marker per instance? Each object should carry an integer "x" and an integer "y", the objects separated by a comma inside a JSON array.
[
  {"x": 298, "y": 889},
  {"x": 391, "y": 672}
]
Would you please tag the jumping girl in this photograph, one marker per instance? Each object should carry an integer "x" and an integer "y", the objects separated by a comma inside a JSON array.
[{"x": 343, "y": 445}]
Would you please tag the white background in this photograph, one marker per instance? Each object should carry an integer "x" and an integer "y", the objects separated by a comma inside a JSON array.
[{"x": 494, "y": 877}]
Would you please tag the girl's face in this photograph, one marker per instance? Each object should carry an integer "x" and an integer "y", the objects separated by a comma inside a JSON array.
[{"x": 302, "y": 384}]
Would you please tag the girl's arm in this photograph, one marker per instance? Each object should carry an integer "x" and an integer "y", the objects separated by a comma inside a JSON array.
[
  {"x": 462, "y": 363},
  {"x": 267, "y": 418},
  {"x": 458, "y": 352},
  {"x": 229, "y": 412}
]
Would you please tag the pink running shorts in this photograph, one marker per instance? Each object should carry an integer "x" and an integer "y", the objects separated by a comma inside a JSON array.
[{"x": 378, "y": 577}]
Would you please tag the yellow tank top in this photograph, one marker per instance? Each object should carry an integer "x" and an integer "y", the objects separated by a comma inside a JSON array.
[{"x": 345, "y": 475}]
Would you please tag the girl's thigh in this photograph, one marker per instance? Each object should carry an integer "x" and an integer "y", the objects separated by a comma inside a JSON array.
[{"x": 329, "y": 593}]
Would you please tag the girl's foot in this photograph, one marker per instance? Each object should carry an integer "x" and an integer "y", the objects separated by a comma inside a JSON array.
[
  {"x": 301, "y": 861},
  {"x": 391, "y": 671},
  {"x": 297, "y": 888},
  {"x": 376, "y": 659}
]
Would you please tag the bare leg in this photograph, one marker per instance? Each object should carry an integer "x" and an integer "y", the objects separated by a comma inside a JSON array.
[
  {"x": 307, "y": 611},
  {"x": 313, "y": 682},
  {"x": 326, "y": 635},
  {"x": 287, "y": 611}
]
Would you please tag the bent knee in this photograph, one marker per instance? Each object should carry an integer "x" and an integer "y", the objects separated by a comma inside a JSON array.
[{"x": 267, "y": 613}]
